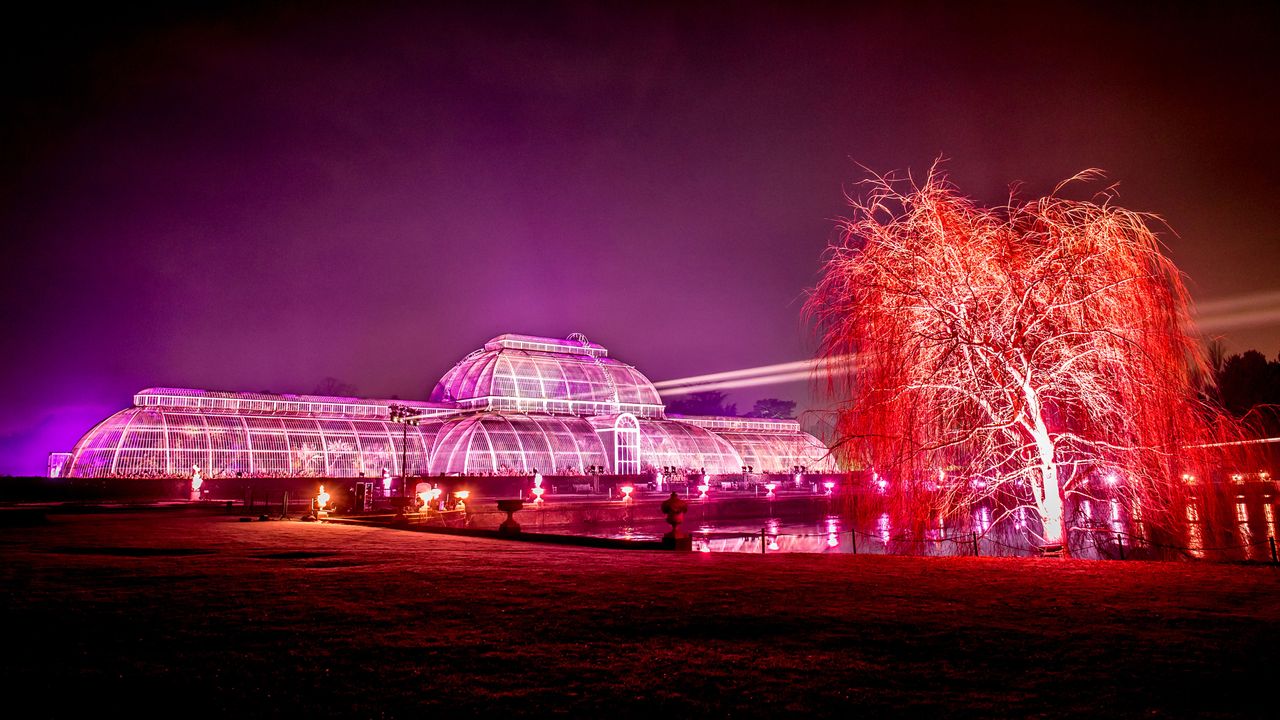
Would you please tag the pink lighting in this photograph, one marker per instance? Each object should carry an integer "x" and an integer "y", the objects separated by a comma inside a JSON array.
[
  {"x": 1112, "y": 479},
  {"x": 626, "y": 492},
  {"x": 830, "y": 486},
  {"x": 703, "y": 488},
  {"x": 526, "y": 389},
  {"x": 770, "y": 486}
]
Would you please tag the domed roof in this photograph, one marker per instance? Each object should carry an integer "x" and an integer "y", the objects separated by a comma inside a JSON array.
[{"x": 575, "y": 375}]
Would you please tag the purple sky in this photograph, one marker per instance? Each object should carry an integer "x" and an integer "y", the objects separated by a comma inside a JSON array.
[{"x": 257, "y": 199}]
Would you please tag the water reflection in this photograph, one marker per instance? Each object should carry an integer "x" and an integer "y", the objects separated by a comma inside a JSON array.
[
  {"x": 1101, "y": 528},
  {"x": 1195, "y": 532},
  {"x": 982, "y": 519}
]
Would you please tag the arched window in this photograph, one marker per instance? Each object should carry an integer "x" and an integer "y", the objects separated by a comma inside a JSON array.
[{"x": 626, "y": 445}]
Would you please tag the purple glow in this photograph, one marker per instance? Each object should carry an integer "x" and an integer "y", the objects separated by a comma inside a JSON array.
[{"x": 269, "y": 215}]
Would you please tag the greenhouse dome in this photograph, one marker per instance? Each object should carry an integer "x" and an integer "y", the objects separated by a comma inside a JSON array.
[
  {"x": 534, "y": 374},
  {"x": 519, "y": 404}
]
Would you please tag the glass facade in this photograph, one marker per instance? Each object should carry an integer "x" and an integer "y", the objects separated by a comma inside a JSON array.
[
  {"x": 156, "y": 442},
  {"x": 766, "y": 452},
  {"x": 498, "y": 444},
  {"x": 526, "y": 374},
  {"x": 519, "y": 404},
  {"x": 669, "y": 443}
]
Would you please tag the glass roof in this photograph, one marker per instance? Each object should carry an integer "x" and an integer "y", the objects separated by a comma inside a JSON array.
[
  {"x": 579, "y": 378},
  {"x": 158, "y": 442},
  {"x": 502, "y": 444},
  {"x": 518, "y": 404}
]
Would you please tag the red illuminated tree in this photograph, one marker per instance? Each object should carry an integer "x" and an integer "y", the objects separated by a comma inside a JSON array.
[{"x": 1019, "y": 352}]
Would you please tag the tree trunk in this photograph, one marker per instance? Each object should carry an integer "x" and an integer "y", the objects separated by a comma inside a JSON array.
[
  {"x": 1050, "y": 505},
  {"x": 1049, "y": 495}
]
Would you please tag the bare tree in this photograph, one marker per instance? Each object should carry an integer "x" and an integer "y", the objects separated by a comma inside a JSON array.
[{"x": 1021, "y": 352}]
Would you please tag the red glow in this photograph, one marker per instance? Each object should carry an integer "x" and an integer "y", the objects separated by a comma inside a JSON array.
[{"x": 1035, "y": 345}]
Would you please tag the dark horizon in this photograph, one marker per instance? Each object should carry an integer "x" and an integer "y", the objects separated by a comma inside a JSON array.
[{"x": 257, "y": 198}]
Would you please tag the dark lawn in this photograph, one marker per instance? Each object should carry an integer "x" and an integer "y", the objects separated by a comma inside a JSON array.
[{"x": 190, "y": 614}]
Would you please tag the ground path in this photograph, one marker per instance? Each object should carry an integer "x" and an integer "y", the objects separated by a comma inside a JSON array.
[{"x": 194, "y": 614}]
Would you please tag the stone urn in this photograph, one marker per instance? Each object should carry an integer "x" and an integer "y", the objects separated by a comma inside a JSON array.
[
  {"x": 674, "y": 508},
  {"x": 510, "y": 526}
]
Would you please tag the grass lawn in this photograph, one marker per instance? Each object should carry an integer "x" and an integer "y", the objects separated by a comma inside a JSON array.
[{"x": 192, "y": 614}]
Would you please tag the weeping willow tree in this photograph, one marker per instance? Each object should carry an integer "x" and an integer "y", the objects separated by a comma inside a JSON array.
[{"x": 1019, "y": 353}]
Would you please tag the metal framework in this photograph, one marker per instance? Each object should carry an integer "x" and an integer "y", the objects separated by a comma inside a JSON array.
[
  {"x": 519, "y": 404},
  {"x": 164, "y": 442}
]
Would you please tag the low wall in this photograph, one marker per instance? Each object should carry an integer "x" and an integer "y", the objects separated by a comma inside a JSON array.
[{"x": 248, "y": 489}]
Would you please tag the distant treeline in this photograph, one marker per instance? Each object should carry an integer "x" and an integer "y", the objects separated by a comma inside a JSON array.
[{"x": 1249, "y": 388}]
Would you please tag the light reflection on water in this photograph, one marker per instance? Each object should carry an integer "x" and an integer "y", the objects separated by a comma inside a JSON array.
[{"x": 1101, "y": 529}]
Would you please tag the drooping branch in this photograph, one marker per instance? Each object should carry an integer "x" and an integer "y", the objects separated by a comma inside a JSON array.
[{"x": 1032, "y": 344}]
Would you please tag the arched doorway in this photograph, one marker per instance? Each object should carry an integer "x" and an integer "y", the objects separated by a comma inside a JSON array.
[{"x": 626, "y": 445}]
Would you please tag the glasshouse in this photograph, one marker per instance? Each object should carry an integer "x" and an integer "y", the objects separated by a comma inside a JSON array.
[{"x": 519, "y": 404}]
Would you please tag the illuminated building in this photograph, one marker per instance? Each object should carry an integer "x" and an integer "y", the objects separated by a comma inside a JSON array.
[{"x": 518, "y": 404}]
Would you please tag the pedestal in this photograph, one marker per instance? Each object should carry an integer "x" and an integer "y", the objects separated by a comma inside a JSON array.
[{"x": 510, "y": 507}]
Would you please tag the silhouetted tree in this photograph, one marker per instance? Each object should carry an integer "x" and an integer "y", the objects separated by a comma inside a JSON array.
[
  {"x": 1249, "y": 386},
  {"x": 773, "y": 408}
]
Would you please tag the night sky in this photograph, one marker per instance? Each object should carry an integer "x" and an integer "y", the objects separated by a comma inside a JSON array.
[{"x": 258, "y": 197}]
